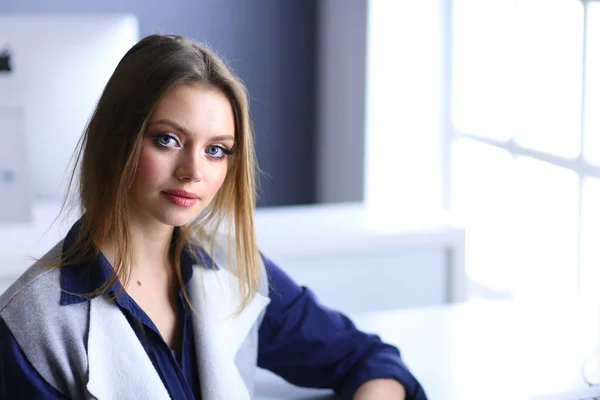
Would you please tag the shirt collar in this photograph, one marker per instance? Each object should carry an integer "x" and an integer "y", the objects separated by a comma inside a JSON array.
[{"x": 77, "y": 280}]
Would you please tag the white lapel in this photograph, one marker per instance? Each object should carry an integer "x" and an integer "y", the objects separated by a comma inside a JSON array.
[
  {"x": 219, "y": 332},
  {"x": 119, "y": 367}
]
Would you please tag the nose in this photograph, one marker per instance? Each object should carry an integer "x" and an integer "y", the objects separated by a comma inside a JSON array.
[{"x": 190, "y": 167}]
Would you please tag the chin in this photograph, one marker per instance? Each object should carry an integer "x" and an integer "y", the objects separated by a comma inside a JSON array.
[
  {"x": 177, "y": 220},
  {"x": 178, "y": 217}
]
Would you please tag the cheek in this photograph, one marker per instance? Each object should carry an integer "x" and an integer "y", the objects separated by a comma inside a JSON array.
[
  {"x": 219, "y": 175},
  {"x": 148, "y": 169}
]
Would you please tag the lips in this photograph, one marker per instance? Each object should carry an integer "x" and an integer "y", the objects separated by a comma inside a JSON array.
[
  {"x": 181, "y": 193},
  {"x": 181, "y": 198}
]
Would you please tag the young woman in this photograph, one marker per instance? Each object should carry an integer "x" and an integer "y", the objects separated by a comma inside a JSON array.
[{"x": 159, "y": 290}]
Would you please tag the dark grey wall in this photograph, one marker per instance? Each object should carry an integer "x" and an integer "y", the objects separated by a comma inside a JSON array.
[
  {"x": 271, "y": 45},
  {"x": 340, "y": 140}
]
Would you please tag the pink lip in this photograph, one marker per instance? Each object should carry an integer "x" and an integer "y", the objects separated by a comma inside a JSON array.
[
  {"x": 181, "y": 193},
  {"x": 181, "y": 197}
]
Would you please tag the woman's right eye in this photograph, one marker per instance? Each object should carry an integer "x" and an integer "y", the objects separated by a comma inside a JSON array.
[{"x": 166, "y": 140}]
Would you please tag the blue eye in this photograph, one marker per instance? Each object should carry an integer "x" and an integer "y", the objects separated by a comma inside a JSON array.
[
  {"x": 217, "y": 151},
  {"x": 166, "y": 140}
]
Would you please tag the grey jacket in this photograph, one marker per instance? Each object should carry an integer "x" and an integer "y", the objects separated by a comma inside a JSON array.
[{"x": 89, "y": 350}]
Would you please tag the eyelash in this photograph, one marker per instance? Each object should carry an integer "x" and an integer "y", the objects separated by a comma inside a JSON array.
[{"x": 226, "y": 152}]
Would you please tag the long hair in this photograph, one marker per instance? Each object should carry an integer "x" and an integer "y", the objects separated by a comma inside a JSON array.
[{"x": 107, "y": 156}]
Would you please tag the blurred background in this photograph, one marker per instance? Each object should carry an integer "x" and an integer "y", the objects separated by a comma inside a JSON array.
[{"x": 414, "y": 153}]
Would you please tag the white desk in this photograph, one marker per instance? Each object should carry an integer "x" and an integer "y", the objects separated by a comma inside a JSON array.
[{"x": 475, "y": 351}]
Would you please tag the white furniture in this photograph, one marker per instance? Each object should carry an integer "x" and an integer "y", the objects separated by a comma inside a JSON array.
[
  {"x": 481, "y": 350},
  {"x": 356, "y": 262},
  {"x": 15, "y": 185},
  {"x": 373, "y": 267},
  {"x": 60, "y": 65}
]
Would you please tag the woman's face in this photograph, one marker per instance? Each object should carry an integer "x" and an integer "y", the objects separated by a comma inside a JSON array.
[{"x": 184, "y": 155}]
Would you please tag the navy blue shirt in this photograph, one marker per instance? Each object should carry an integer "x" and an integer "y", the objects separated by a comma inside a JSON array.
[{"x": 299, "y": 339}]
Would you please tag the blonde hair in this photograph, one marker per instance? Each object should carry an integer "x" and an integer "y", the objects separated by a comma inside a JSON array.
[{"x": 108, "y": 153}]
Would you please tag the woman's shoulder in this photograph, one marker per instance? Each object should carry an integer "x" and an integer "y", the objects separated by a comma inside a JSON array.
[
  {"x": 219, "y": 250},
  {"x": 32, "y": 304},
  {"x": 50, "y": 335},
  {"x": 37, "y": 287}
]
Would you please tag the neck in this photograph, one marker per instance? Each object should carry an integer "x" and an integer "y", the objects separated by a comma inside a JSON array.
[{"x": 150, "y": 249}]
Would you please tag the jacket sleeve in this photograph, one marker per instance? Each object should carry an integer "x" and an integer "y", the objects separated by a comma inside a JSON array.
[
  {"x": 18, "y": 378},
  {"x": 312, "y": 346}
]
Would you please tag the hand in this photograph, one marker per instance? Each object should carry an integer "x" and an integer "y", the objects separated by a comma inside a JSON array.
[{"x": 380, "y": 389}]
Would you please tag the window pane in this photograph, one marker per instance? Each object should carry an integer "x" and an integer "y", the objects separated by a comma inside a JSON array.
[
  {"x": 517, "y": 69},
  {"x": 521, "y": 220},
  {"x": 549, "y": 71},
  {"x": 590, "y": 238},
  {"x": 592, "y": 99},
  {"x": 481, "y": 181},
  {"x": 544, "y": 239},
  {"x": 482, "y": 60}
]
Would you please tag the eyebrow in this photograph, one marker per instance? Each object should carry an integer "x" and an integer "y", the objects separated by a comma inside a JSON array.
[{"x": 186, "y": 132}]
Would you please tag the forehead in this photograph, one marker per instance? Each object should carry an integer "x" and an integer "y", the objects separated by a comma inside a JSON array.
[{"x": 199, "y": 108}]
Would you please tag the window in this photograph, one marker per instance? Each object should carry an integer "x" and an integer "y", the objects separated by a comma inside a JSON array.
[{"x": 524, "y": 136}]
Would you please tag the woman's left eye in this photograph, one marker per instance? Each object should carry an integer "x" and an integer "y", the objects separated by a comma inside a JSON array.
[{"x": 216, "y": 151}]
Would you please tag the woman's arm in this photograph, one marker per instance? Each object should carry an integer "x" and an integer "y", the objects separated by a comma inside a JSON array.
[{"x": 313, "y": 346}]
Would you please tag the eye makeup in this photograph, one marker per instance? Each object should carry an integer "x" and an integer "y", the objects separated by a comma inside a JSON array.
[{"x": 166, "y": 140}]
